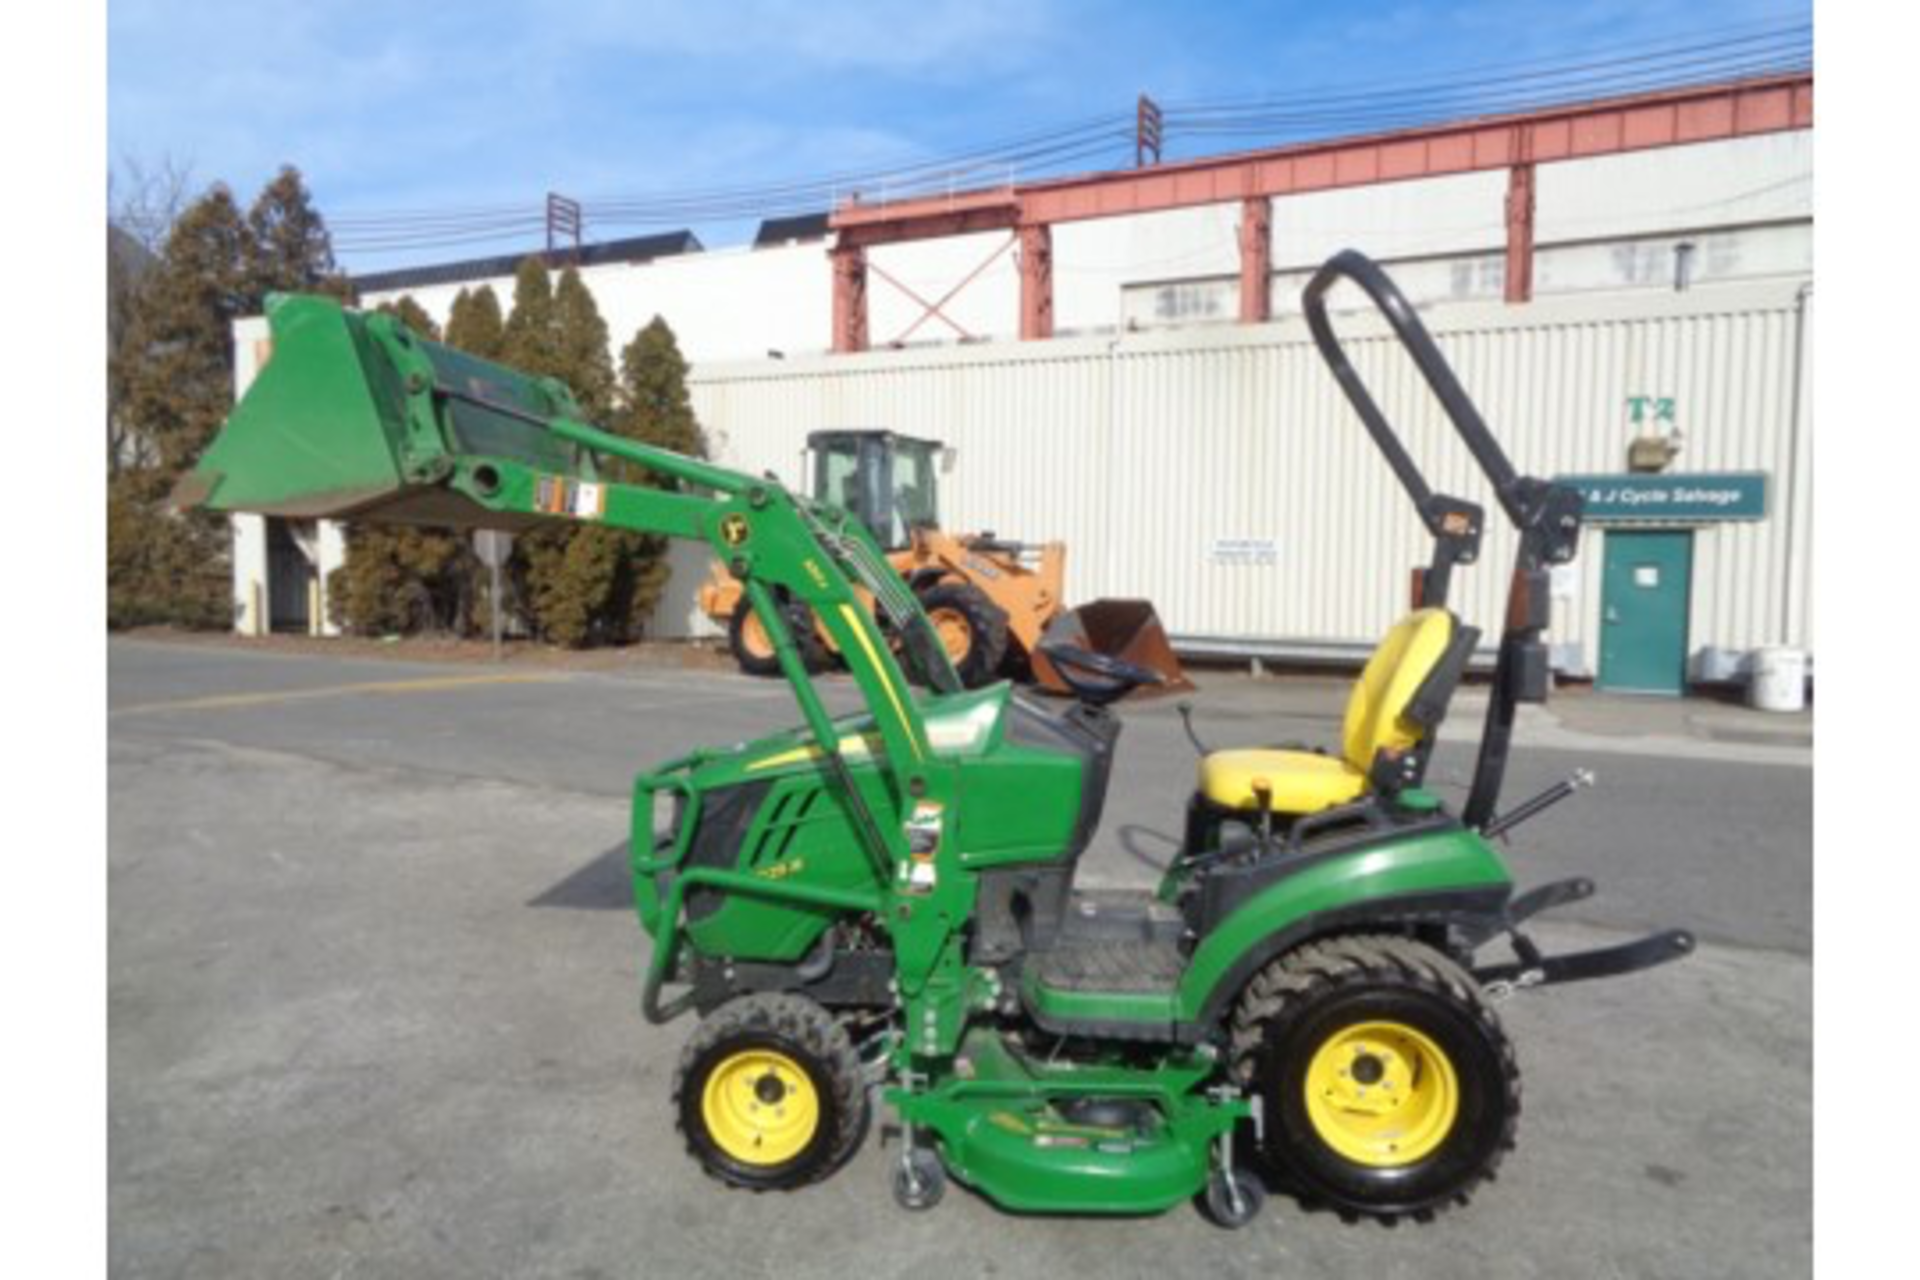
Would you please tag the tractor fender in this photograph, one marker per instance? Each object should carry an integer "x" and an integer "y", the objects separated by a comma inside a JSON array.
[{"x": 1441, "y": 878}]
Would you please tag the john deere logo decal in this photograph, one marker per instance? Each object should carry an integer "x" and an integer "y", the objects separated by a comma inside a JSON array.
[{"x": 733, "y": 530}]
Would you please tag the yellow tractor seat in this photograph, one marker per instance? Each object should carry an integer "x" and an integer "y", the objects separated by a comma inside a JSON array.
[
  {"x": 1396, "y": 704},
  {"x": 1300, "y": 781}
]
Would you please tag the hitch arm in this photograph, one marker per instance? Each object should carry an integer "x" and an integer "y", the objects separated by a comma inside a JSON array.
[{"x": 1603, "y": 962}]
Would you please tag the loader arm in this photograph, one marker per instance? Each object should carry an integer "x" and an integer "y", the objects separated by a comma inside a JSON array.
[{"x": 355, "y": 417}]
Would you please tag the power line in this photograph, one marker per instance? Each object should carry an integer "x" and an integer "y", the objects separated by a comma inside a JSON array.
[{"x": 1727, "y": 53}]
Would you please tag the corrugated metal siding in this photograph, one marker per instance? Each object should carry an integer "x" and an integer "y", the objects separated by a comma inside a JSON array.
[{"x": 1142, "y": 452}]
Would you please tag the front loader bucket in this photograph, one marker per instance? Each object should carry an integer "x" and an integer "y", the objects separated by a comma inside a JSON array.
[
  {"x": 1126, "y": 629},
  {"x": 354, "y": 416}
]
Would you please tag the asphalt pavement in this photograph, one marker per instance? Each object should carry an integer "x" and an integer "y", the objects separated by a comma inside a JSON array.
[{"x": 374, "y": 980}]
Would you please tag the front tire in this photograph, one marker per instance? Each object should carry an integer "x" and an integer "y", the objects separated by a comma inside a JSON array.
[
  {"x": 1389, "y": 1085},
  {"x": 971, "y": 627},
  {"x": 769, "y": 1093},
  {"x": 752, "y": 647}
]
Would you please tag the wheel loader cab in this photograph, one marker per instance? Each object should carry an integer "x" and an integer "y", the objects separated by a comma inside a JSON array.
[
  {"x": 1392, "y": 713},
  {"x": 889, "y": 481}
]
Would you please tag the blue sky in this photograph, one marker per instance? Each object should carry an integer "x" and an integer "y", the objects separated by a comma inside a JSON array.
[{"x": 393, "y": 107}]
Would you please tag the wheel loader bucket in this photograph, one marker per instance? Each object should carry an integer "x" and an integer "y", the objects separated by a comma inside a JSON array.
[
  {"x": 354, "y": 416},
  {"x": 1126, "y": 629}
]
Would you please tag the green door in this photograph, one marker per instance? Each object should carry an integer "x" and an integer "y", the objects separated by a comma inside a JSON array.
[{"x": 1643, "y": 611}]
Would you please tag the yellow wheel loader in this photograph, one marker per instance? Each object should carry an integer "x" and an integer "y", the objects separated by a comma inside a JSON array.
[{"x": 993, "y": 603}]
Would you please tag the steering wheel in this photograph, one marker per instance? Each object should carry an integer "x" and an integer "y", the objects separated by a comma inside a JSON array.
[{"x": 1117, "y": 677}]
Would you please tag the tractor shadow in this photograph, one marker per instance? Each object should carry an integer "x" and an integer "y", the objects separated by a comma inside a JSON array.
[{"x": 603, "y": 884}]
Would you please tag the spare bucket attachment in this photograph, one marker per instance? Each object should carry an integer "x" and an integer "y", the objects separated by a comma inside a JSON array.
[
  {"x": 354, "y": 415},
  {"x": 1126, "y": 629}
]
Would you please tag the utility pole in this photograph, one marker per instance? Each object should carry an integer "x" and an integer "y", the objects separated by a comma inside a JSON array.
[
  {"x": 564, "y": 221},
  {"x": 1148, "y": 131}
]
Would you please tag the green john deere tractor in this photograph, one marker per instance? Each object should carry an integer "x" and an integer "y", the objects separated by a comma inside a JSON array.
[{"x": 888, "y": 897}]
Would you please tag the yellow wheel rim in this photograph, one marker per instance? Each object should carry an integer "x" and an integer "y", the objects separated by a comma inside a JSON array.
[
  {"x": 760, "y": 1107},
  {"x": 954, "y": 632},
  {"x": 1382, "y": 1094}
]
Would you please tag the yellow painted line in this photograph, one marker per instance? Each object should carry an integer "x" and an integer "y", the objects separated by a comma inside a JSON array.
[
  {"x": 857, "y": 622},
  {"x": 853, "y": 745},
  {"x": 430, "y": 684}
]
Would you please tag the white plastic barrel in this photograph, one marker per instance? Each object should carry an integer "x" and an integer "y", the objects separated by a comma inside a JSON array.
[{"x": 1779, "y": 680}]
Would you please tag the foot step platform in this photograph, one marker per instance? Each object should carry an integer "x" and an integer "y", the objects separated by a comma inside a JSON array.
[
  {"x": 1114, "y": 971},
  {"x": 1103, "y": 965}
]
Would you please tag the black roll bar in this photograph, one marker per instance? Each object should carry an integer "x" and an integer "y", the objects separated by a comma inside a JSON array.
[{"x": 1546, "y": 515}]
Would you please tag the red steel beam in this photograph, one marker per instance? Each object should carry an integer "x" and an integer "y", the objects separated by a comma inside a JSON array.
[
  {"x": 1036, "y": 281},
  {"x": 1520, "y": 206},
  {"x": 964, "y": 213},
  {"x": 1674, "y": 117},
  {"x": 1256, "y": 260},
  {"x": 849, "y": 298},
  {"x": 1516, "y": 143}
]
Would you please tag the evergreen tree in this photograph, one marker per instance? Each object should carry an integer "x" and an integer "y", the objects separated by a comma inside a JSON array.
[
  {"x": 526, "y": 340},
  {"x": 408, "y": 311},
  {"x": 401, "y": 578},
  {"x": 163, "y": 568},
  {"x": 172, "y": 380},
  {"x": 580, "y": 348},
  {"x": 171, "y": 385},
  {"x": 474, "y": 324},
  {"x": 176, "y": 370},
  {"x": 290, "y": 249},
  {"x": 654, "y": 405},
  {"x": 567, "y": 575},
  {"x": 653, "y": 408}
]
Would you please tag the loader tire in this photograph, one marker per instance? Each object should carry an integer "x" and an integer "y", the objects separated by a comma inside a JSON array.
[
  {"x": 769, "y": 1094},
  {"x": 1388, "y": 1085},
  {"x": 752, "y": 647},
  {"x": 972, "y": 627}
]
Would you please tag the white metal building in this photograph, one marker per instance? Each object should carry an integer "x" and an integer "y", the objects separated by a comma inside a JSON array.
[{"x": 1213, "y": 467}]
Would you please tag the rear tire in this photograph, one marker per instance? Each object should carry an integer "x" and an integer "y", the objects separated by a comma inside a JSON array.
[
  {"x": 769, "y": 1094},
  {"x": 973, "y": 628},
  {"x": 1389, "y": 1087}
]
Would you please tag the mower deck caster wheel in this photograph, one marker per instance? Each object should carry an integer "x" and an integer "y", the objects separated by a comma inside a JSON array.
[
  {"x": 1234, "y": 1198},
  {"x": 919, "y": 1180}
]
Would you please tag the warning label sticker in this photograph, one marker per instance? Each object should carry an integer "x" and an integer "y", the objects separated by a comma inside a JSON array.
[
  {"x": 924, "y": 829},
  {"x": 558, "y": 497}
]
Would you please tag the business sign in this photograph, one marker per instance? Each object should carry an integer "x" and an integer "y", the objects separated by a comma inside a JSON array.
[{"x": 1671, "y": 498}]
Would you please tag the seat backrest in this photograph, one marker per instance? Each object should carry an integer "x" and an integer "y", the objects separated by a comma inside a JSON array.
[{"x": 1380, "y": 711}]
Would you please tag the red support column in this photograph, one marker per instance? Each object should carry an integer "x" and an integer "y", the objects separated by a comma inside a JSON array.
[
  {"x": 849, "y": 298},
  {"x": 1256, "y": 260},
  {"x": 1036, "y": 280},
  {"x": 1520, "y": 232}
]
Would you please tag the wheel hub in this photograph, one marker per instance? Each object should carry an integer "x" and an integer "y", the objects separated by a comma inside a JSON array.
[
  {"x": 1382, "y": 1094},
  {"x": 760, "y": 1107},
  {"x": 954, "y": 632}
]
